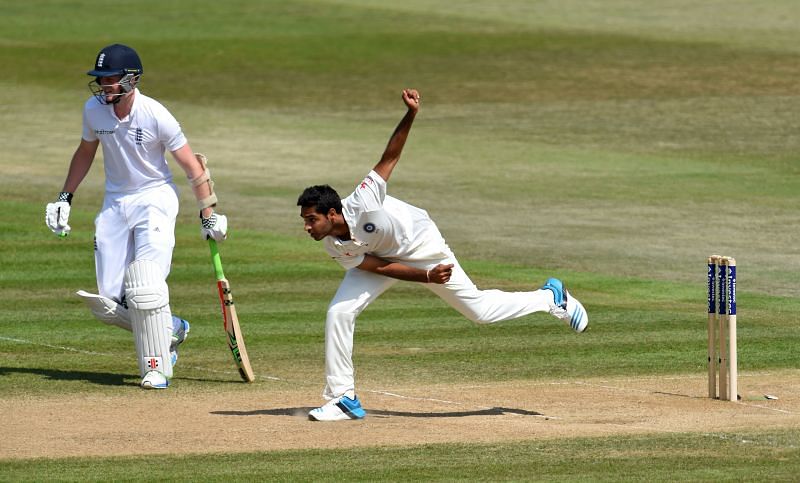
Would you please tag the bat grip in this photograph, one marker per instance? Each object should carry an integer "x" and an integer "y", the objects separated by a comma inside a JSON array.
[{"x": 212, "y": 244}]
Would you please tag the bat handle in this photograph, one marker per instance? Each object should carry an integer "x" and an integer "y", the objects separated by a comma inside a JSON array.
[{"x": 212, "y": 244}]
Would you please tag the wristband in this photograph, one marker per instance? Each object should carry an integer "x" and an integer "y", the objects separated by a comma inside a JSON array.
[
  {"x": 64, "y": 196},
  {"x": 428, "y": 275}
]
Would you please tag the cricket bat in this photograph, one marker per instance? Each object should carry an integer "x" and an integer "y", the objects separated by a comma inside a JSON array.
[{"x": 229, "y": 319}]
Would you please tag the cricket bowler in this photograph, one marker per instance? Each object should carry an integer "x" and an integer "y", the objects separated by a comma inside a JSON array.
[{"x": 379, "y": 240}]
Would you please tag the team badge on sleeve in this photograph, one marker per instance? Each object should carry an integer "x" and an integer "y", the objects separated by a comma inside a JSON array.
[{"x": 369, "y": 227}]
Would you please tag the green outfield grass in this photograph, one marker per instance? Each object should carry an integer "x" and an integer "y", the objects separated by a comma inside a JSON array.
[
  {"x": 711, "y": 457},
  {"x": 614, "y": 144}
]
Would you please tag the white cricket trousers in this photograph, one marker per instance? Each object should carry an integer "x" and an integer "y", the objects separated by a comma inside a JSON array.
[
  {"x": 139, "y": 226},
  {"x": 360, "y": 287}
]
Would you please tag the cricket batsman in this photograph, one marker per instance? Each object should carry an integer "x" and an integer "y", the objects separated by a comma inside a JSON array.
[
  {"x": 135, "y": 228},
  {"x": 379, "y": 240}
]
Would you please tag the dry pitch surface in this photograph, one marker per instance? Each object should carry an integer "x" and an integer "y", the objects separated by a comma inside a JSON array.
[{"x": 266, "y": 419}]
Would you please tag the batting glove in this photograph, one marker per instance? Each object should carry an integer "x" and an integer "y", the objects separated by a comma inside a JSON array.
[
  {"x": 56, "y": 215},
  {"x": 215, "y": 226}
]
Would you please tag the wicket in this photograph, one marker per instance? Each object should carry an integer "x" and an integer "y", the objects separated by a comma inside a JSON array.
[{"x": 722, "y": 328}]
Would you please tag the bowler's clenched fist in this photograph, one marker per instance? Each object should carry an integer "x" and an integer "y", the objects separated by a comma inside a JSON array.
[{"x": 440, "y": 273}]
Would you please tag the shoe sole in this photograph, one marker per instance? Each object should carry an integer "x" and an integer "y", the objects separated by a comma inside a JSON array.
[
  {"x": 347, "y": 412},
  {"x": 579, "y": 320},
  {"x": 148, "y": 384},
  {"x": 154, "y": 386}
]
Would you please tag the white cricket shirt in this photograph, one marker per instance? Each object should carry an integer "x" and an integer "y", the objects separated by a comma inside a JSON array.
[
  {"x": 134, "y": 147},
  {"x": 385, "y": 227}
]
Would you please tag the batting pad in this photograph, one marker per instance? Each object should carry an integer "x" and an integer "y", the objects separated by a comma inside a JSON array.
[
  {"x": 106, "y": 310},
  {"x": 148, "y": 304}
]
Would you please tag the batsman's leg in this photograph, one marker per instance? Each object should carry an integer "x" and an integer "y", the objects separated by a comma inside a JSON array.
[
  {"x": 106, "y": 310},
  {"x": 110, "y": 312},
  {"x": 152, "y": 219},
  {"x": 113, "y": 250},
  {"x": 148, "y": 302}
]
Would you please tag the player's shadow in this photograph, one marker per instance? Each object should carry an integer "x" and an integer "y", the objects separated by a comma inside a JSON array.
[
  {"x": 495, "y": 411},
  {"x": 101, "y": 378},
  {"x": 301, "y": 411}
]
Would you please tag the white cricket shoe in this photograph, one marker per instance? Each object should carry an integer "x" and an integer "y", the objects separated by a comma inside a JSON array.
[
  {"x": 566, "y": 307},
  {"x": 339, "y": 409},
  {"x": 154, "y": 380}
]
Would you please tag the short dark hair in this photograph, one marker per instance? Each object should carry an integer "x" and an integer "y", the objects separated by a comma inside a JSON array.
[{"x": 322, "y": 198}]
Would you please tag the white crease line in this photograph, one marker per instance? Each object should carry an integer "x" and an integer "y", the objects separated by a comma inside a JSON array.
[
  {"x": 385, "y": 393},
  {"x": 766, "y": 407},
  {"x": 646, "y": 391},
  {"x": 214, "y": 371},
  {"x": 81, "y": 351},
  {"x": 638, "y": 379}
]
